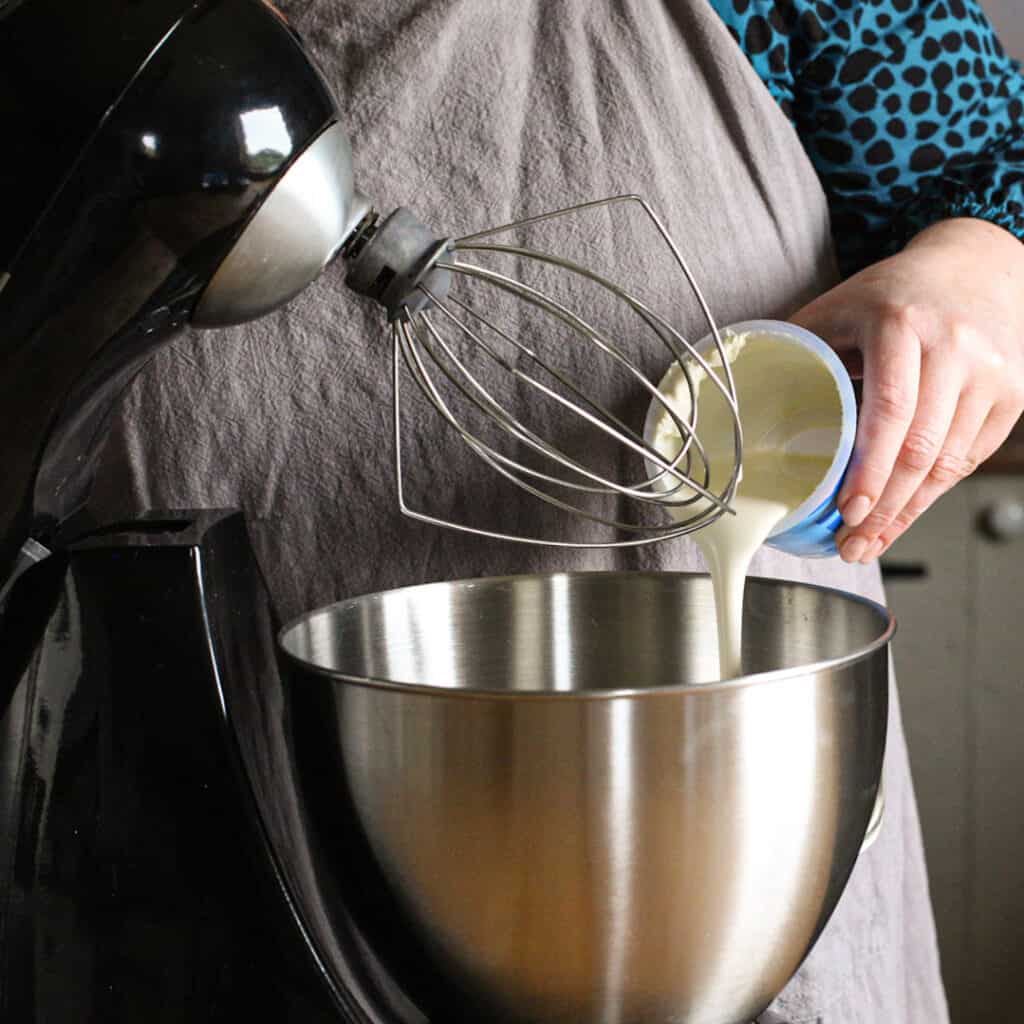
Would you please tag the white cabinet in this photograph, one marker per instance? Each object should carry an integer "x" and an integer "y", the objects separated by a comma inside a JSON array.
[{"x": 955, "y": 583}]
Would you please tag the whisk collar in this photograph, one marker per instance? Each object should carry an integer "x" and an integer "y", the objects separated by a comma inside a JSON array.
[{"x": 398, "y": 257}]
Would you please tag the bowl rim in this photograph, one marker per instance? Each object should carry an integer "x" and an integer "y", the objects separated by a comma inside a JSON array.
[{"x": 680, "y": 689}]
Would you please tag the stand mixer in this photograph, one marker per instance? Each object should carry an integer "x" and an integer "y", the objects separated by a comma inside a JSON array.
[{"x": 190, "y": 169}]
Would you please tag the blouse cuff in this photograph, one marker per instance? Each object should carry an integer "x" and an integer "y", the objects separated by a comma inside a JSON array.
[{"x": 930, "y": 210}]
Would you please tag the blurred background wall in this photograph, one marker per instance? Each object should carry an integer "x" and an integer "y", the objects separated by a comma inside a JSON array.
[{"x": 1008, "y": 17}]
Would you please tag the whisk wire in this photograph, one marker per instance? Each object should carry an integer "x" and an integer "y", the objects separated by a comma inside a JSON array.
[
  {"x": 468, "y": 241},
  {"x": 579, "y": 326},
  {"x": 495, "y": 460},
  {"x": 511, "y": 467},
  {"x": 679, "y": 348},
  {"x": 493, "y": 409},
  {"x": 684, "y": 455},
  {"x": 641, "y": 447}
]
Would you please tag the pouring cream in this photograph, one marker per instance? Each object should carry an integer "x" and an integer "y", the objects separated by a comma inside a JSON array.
[{"x": 791, "y": 416}]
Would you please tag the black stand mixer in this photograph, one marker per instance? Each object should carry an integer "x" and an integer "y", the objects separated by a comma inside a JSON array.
[
  {"x": 166, "y": 162},
  {"x": 196, "y": 822}
]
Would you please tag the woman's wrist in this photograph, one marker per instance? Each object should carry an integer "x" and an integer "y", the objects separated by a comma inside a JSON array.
[{"x": 973, "y": 232}]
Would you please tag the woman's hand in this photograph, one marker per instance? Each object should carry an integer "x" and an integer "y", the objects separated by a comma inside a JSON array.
[{"x": 937, "y": 332}]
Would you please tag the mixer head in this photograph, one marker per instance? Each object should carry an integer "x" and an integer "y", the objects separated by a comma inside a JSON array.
[{"x": 475, "y": 338}]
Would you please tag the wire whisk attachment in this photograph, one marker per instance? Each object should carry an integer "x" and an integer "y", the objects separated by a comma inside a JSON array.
[{"x": 521, "y": 374}]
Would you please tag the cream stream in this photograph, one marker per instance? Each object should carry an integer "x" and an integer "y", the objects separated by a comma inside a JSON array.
[{"x": 790, "y": 413}]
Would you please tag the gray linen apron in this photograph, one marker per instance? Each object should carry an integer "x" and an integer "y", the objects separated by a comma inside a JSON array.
[{"x": 474, "y": 112}]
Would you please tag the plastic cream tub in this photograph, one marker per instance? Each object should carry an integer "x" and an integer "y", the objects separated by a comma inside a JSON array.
[{"x": 809, "y": 529}]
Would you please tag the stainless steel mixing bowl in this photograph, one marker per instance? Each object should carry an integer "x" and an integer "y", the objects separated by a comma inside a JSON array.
[{"x": 518, "y": 785}]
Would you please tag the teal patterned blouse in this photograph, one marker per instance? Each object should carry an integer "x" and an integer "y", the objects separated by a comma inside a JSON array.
[{"x": 909, "y": 109}]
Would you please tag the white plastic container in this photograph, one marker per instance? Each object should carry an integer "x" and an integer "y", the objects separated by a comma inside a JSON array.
[{"x": 810, "y": 529}]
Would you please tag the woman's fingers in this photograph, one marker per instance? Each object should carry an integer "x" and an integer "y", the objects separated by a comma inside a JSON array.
[
  {"x": 892, "y": 368},
  {"x": 920, "y": 454},
  {"x": 1001, "y": 420},
  {"x": 978, "y": 431},
  {"x": 958, "y": 458}
]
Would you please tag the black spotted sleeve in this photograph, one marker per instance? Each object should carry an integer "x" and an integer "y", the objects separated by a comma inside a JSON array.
[{"x": 909, "y": 109}]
